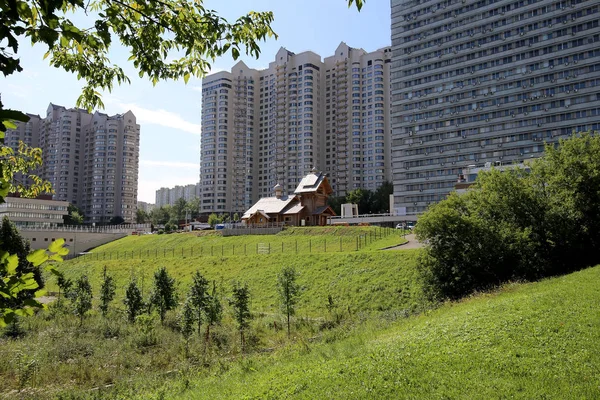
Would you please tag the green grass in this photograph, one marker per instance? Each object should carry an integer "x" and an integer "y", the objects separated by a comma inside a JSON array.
[
  {"x": 532, "y": 341},
  {"x": 382, "y": 339}
]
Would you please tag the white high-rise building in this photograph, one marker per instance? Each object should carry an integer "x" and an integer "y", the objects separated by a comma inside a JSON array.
[
  {"x": 266, "y": 127},
  {"x": 90, "y": 159}
]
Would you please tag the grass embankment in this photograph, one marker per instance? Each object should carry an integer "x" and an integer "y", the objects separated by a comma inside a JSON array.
[
  {"x": 539, "y": 340},
  {"x": 58, "y": 357}
]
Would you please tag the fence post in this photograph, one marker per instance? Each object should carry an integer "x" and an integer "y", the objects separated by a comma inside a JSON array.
[
  {"x": 281, "y": 247},
  {"x": 245, "y": 248},
  {"x": 256, "y": 248},
  {"x": 296, "y": 246},
  {"x": 357, "y": 243},
  {"x": 325, "y": 245},
  {"x": 340, "y": 244},
  {"x": 211, "y": 249},
  {"x": 269, "y": 247},
  {"x": 233, "y": 249},
  {"x": 222, "y": 249},
  {"x": 309, "y": 246}
]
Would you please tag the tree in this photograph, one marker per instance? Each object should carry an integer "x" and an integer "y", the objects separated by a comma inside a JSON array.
[
  {"x": 236, "y": 217},
  {"x": 74, "y": 217},
  {"x": 214, "y": 219},
  {"x": 517, "y": 224},
  {"x": 381, "y": 198},
  {"x": 163, "y": 295},
  {"x": 13, "y": 243},
  {"x": 64, "y": 286},
  {"x": 107, "y": 292},
  {"x": 81, "y": 297},
  {"x": 240, "y": 302},
  {"x": 187, "y": 318},
  {"x": 362, "y": 198},
  {"x": 199, "y": 298},
  {"x": 193, "y": 207},
  {"x": 214, "y": 313},
  {"x": 178, "y": 210},
  {"x": 289, "y": 292},
  {"x": 133, "y": 301},
  {"x": 116, "y": 220},
  {"x": 141, "y": 216},
  {"x": 160, "y": 216}
]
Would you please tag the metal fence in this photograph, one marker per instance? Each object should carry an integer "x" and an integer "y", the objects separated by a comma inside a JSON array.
[{"x": 283, "y": 246}]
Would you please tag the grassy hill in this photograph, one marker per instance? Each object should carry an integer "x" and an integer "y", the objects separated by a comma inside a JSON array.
[
  {"x": 359, "y": 280},
  {"x": 381, "y": 339},
  {"x": 530, "y": 341}
]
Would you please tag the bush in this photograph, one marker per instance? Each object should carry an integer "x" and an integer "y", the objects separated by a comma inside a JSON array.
[{"x": 516, "y": 224}]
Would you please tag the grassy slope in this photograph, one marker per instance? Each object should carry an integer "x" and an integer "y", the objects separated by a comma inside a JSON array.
[
  {"x": 364, "y": 280},
  {"x": 529, "y": 341}
]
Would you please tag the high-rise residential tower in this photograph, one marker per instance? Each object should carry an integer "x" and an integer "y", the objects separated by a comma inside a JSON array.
[
  {"x": 266, "y": 127},
  {"x": 90, "y": 159},
  {"x": 486, "y": 82}
]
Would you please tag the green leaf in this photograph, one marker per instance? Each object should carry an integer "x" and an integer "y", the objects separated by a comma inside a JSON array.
[
  {"x": 37, "y": 257},
  {"x": 186, "y": 77},
  {"x": 12, "y": 264},
  {"x": 9, "y": 124},
  {"x": 56, "y": 245}
]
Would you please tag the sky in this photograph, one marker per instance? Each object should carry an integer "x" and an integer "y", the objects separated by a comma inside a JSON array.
[{"x": 170, "y": 112}]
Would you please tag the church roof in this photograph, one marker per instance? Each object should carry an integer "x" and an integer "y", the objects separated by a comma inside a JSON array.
[{"x": 269, "y": 205}]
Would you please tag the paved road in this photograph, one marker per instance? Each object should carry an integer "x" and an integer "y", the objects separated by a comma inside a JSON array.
[{"x": 413, "y": 243}]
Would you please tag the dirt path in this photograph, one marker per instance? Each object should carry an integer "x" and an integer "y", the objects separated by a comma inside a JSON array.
[{"x": 413, "y": 243}]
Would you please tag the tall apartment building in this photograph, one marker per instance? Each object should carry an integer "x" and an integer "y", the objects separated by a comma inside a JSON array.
[
  {"x": 266, "y": 127},
  {"x": 487, "y": 81},
  {"x": 90, "y": 159}
]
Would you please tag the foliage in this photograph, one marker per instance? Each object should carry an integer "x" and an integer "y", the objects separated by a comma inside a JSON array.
[
  {"x": 74, "y": 216},
  {"x": 187, "y": 319},
  {"x": 13, "y": 243},
  {"x": 179, "y": 210},
  {"x": 116, "y": 220},
  {"x": 160, "y": 216},
  {"x": 133, "y": 301},
  {"x": 141, "y": 216},
  {"x": 214, "y": 219},
  {"x": 81, "y": 297},
  {"x": 64, "y": 285},
  {"x": 163, "y": 296},
  {"x": 240, "y": 301},
  {"x": 16, "y": 166},
  {"x": 107, "y": 292},
  {"x": 213, "y": 312},
  {"x": 12, "y": 283},
  {"x": 516, "y": 224},
  {"x": 289, "y": 292},
  {"x": 369, "y": 202},
  {"x": 199, "y": 298}
]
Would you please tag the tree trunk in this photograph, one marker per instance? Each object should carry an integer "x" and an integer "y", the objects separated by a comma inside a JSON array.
[{"x": 288, "y": 323}]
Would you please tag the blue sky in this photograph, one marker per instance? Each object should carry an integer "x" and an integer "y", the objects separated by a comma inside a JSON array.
[{"x": 169, "y": 113}]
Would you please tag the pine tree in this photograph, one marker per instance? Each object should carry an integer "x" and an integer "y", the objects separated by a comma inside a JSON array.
[
  {"x": 107, "y": 292},
  {"x": 241, "y": 309},
  {"x": 133, "y": 301},
  {"x": 187, "y": 318},
  {"x": 199, "y": 298},
  {"x": 214, "y": 313},
  {"x": 81, "y": 297},
  {"x": 163, "y": 294}
]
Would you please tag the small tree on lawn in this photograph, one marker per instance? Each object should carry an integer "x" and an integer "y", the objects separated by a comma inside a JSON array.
[
  {"x": 163, "y": 294},
  {"x": 107, "y": 292},
  {"x": 241, "y": 309},
  {"x": 64, "y": 286},
  {"x": 199, "y": 297},
  {"x": 133, "y": 301},
  {"x": 213, "y": 313},
  {"x": 289, "y": 292},
  {"x": 81, "y": 297},
  {"x": 187, "y": 319}
]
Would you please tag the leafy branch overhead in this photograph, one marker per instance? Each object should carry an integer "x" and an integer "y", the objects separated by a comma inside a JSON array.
[{"x": 167, "y": 39}]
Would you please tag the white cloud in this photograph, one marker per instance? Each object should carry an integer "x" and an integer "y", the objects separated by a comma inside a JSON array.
[
  {"x": 170, "y": 164},
  {"x": 159, "y": 117}
]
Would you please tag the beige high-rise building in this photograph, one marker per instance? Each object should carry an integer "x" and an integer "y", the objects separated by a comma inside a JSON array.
[
  {"x": 266, "y": 127},
  {"x": 90, "y": 159}
]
